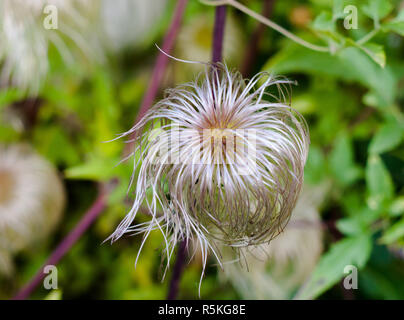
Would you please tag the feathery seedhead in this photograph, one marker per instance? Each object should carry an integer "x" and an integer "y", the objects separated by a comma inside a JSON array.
[
  {"x": 221, "y": 162},
  {"x": 275, "y": 270}
]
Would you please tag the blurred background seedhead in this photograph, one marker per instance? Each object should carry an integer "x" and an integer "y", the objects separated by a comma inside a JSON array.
[
  {"x": 32, "y": 200},
  {"x": 29, "y": 28},
  {"x": 127, "y": 24},
  {"x": 65, "y": 91}
]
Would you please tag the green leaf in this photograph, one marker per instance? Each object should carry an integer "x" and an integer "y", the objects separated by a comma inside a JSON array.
[
  {"x": 118, "y": 194},
  {"x": 377, "y": 9},
  {"x": 394, "y": 233},
  {"x": 304, "y": 103},
  {"x": 375, "y": 52},
  {"x": 315, "y": 169},
  {"x": 395, "y": 25},
  {"x": 54, "y": 295},
  {"x": 379, "y": 183},
  {"x": 330, "y": 269},
  {"x": 387, "y": 137},
  {"x": 105, "y": 122},
  {"x": 324, "y": 22},
  {"x": 324, "y": 26},
  {"x": 8, "y": 133},
  {"x": 56, "y": 145},
  {"x": 350, "y": 226},
  {"x": 360, "y": 222},
  {"x": 397, "y": 207},
  {"x": 342, "y": 162},
  {"x": 10, "y": 95},
  {"x": 96, "y": 169},
  {"x": 380, "y": 284},
  {"x": 338, "y": 9},
  {"x": 350, "y": 64},
  {"x": 400, "y": 16}
]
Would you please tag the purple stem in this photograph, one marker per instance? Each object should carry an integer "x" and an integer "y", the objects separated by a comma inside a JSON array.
[
  {"x": 88, "y": 218},
  {"x": 218, "y": 33},
  {"x": 178, "y": 268},
  {"x": 99, "y": 204},
  {"x": 162, "y": 59},
  {"x": 160, "y": 66},
  {"x": 252, "y": 48}
]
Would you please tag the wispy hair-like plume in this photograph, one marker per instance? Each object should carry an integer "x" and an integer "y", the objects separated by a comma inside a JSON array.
[{"x": 222, "y": 158}]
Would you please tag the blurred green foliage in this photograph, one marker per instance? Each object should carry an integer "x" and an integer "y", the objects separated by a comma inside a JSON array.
[{"x": 353, "y": 100}]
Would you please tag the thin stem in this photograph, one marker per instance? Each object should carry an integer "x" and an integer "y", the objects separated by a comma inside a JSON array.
[
  {"x": 177, "y": 271},
  {"x": 217, "y": 48},
  {"x": 29, "y": 108},
  {"x": 252, "y": 48},
  {"x": 86, "y": 221},
  {"x": 99, "y": 204},
  {"x": 267, "y": 22},
  {"x": 218, "y": 34},
  {"x": 159, "y": 67},
  {"x": 368, "y": 36}
]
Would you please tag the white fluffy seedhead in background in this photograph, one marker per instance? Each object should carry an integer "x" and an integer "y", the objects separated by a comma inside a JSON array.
[
  {"x": 276, "y": 269},
  {"x": 24, "y": 40},
  {"x": 224, "y": 163},
  {"x": 126, "y": 23},
  {"x": 32, "y": 198},
  {"x": 6, "y": 265}
]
